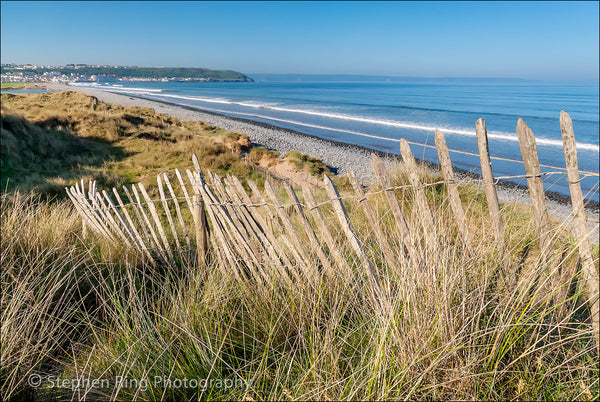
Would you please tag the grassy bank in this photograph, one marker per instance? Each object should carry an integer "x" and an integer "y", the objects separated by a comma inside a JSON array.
[
  {"x": 12, "y": 85},
  {"x": 469, "y": 322},
  {"x": 51, "y": 140}
]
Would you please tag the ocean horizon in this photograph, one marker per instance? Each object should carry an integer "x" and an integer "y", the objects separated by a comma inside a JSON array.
[{"x": 377, "y": 114}]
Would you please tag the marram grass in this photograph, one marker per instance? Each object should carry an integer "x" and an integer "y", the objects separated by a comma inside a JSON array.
[
  {"x": 467, "y": 323},
  {"x": 470, "y": 324}
]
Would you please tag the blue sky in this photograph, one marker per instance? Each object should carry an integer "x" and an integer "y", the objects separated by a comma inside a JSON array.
[{"x": 540, "y": 40}]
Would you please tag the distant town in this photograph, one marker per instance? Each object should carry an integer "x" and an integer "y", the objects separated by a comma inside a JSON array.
[{"x": 108, "y": 73}]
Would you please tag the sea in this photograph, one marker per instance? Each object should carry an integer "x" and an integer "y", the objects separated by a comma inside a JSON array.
[{"x": 377, "y": 115}]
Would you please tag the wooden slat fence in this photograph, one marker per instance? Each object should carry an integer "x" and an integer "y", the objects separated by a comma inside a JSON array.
[{"x": 199, "y": 218}]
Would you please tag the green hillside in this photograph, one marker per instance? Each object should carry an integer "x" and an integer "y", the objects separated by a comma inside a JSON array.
[{"x": 142, "y": 72}]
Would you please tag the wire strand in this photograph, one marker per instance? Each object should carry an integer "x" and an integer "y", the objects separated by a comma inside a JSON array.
[{"x": 348, "y": 197}]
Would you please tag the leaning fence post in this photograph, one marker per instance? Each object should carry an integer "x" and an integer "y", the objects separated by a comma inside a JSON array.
[
  {"x": 579, "y": 220},
  {"x": 488, "y": 180},
  {"x": 201, "y": 235},
  {"x": 455, "y": 203},
  {"x": 536, "y": 186},
  {"x": 313, "y": 240},
  {"x": 382, "y": 172},
  {"x": 348, "y": 229},
  {"x": 425, "y": 217},
  {"x": 373, "y": 222},
  {"x": 309, "y": 198}
]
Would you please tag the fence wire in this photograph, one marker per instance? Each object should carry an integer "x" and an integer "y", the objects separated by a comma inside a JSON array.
[
  {"x": 83, "y": 197},
  {"x": 372, "y": 193}
]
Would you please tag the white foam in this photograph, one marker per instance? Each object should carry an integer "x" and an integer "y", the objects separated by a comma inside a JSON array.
[
  {"x": 83, "y": 84},
  {"x": 129, "y": 89},
  {"x": 255, "y": 104},
  {"x": 448, "y": 130},
  {"x": 389, "y": 123},
  {"x": 200, "y": 98}
]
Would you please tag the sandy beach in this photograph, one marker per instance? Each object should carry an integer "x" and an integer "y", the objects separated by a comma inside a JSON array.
[{"x": 339, "y": 157}]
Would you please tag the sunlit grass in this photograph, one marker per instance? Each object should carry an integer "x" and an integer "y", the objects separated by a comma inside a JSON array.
[{"x": 470, "y": 321}]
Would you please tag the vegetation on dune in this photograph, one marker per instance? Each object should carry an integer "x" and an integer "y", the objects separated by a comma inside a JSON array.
[
  {"x": 306, "y": 163},
  {"x": 12, "y": 85},
  {"x": 48, "y": 159},
  {"x": 263, "y": 155},
  {"x": 468, "y": 322},
  {"x": 489, "y": 335},
  {"x": 51, "y": 140}
]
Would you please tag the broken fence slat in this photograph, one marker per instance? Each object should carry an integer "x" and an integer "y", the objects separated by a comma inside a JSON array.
[
  {"x": 296, "y": 243},
  {"x": 312, "y": 237},
  {"x": 159, "y": 226},
  {"x": 178, "y": 211},
  {"x": 146, "y": 222},
  {"x": 133, "y": 226},
  {"x": 309, "y": 198},
  {"x": 425, "y": 216},
  {"x": 167, "y": 210}
]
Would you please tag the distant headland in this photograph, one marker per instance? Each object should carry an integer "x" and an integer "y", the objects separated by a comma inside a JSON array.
[{"x": 108, "y": 73}]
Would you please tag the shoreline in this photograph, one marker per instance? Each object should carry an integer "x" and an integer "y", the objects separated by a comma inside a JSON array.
[
  {"x": 340, "y": 157},
  {"x": 460, "y": 173}
]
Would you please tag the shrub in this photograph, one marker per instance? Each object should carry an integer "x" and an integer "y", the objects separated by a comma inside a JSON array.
[
  {"x": 302, "y": 162},
  {"x": 262, "y": 154}
]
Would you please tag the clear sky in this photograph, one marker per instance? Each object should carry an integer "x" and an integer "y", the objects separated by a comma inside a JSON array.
[{"x": 540, "y": 40}]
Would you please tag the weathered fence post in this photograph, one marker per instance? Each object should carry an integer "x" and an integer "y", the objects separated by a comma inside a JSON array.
[
  {"x": 370, "y": 215},
  {"x": 303, "y": 258},
  {"x": 488, "y": 181},
  {"x": 536, "y": 186},
  {"x": 425, "y": 217},
  {"x": 312, "y": 237},
  {"x": 381, "y": 171},
  {"x": 309, "y": 198},
  {"x": 455, "y": 203},
  {"x": 590, "y": 274},
  {"x": 344, "y": 219},
  {"x": 201, "y": 234}
]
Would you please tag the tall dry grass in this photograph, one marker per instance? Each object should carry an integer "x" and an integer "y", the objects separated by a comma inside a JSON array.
[
  {"x": 474, "y": 321},
  {"x": 467, "y": 322},
  {"x": 51, "y": 141},
  {"x": 39, "y": 302}
]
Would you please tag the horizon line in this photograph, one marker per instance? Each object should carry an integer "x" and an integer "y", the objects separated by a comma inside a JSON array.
[{"x": 340, "y": 75}]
